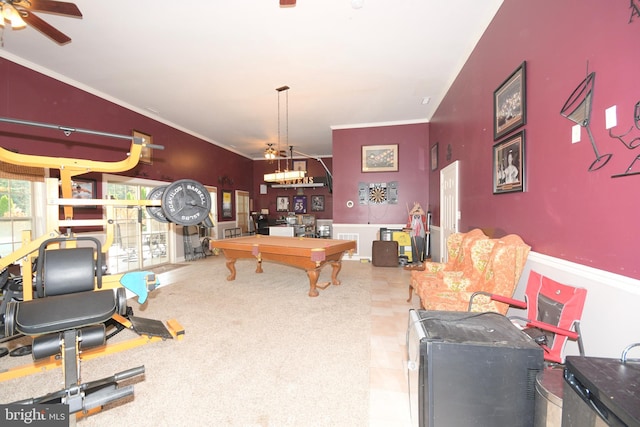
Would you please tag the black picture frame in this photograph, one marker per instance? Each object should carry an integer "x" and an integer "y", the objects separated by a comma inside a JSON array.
[
  {"x": 510, "y": 103},
  {"x": 282, "y": 204},
  {"x": 509, "y": 160},
  {"x": 84, "y": 188},
  {"x": 434, "y": 157},
  {"x": 317, "y": 203}
]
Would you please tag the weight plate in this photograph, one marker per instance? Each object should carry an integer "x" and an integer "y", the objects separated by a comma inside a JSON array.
[
  {"x": 186, "y": 202},
  {"x": 156, "y": 212}
]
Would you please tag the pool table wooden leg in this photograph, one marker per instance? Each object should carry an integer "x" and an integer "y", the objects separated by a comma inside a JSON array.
[
  {"x": 337, "y": 266},
  {"x": 313, "y": 281},
  {"x": 231, "y": 265}
]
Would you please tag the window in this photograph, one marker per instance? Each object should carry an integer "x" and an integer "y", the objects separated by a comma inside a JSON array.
[
  {"x": 15, "y": 213},
  {"x": 139, "y": 240}
]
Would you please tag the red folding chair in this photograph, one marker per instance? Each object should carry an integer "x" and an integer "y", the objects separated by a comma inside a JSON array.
[{"x": 553, "y": 314}]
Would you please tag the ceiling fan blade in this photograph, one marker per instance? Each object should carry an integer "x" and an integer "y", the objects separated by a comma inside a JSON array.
[
  {"x": 287, "y": 2},
  {"x": 44, "y": 27},
  {"x": 50, "y": 6}
]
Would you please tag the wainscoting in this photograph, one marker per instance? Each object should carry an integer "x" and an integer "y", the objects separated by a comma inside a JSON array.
[
  {"x": 611, "y": 316},
  {"x": 364, "y": 234}
]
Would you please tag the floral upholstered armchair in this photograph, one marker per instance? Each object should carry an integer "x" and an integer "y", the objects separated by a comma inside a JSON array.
[
  {"x": 497, "y": 269},
  {"x": 459, "y": 261}
]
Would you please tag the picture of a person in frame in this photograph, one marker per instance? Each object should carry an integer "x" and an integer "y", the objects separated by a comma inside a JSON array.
[{"x": 511, "y": 171}]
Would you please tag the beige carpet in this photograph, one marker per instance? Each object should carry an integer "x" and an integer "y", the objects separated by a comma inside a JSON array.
[
  {"x": 257, "y": 352},
  {"x": 165, "y": 268}
]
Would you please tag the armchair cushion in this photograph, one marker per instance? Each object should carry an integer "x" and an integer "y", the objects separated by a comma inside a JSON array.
[
  {"x": 459, "y": 247},
  {"x": 471, "y": 262},
  {"x": 497, "y": 264}
]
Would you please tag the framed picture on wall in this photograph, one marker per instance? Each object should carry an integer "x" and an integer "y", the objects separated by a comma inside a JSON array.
[
  {"x": 510, "y": 103},
  {"x": 226, "y": 205},
  {"x": 317, "y": 203},
  {"x": 380, "y": 158},
  {"x": 509, "y": 164},
  {"x": 300, "y": 165},
  {"x": 300, "y": 204},
  {"x": 83, "y": 189},
  {"x": 282, "y": 204},
  {"x": 145, "y": 155}
]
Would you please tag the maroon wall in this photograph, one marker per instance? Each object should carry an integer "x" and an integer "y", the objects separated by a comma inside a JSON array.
[
  {"x": 268, "y": 201},
  {"x": 28, "y": 95},
  {"x": 566, "y": 211},
  {"x": 412, "y": 175}
]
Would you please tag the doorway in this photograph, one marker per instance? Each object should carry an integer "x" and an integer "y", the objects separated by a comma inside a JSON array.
[
  {"x": 449, "y": 205},
  {"x": 242, "y": 211}
]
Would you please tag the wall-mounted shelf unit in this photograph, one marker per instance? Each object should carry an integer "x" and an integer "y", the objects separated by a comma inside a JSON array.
[{"x": 314, "y": 184}]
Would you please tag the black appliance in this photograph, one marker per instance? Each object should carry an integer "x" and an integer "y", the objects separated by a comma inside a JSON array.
[
  {"x": 470, "y": 369},
  {"x": 262, "y": 225},
  {"x": 601, "y": 392}
]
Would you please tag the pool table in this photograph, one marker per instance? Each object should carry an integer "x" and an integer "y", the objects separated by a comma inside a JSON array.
[{"x": 307, "y": 253}]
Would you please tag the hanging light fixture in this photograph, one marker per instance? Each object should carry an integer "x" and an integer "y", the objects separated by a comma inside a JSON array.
[{"x": 283, "y": 175}]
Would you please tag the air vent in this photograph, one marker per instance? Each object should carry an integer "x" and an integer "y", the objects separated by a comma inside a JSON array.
[{"x": 350, "y": 236}]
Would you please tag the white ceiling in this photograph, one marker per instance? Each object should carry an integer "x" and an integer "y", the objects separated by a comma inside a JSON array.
[{"x": 212, "y": 67}]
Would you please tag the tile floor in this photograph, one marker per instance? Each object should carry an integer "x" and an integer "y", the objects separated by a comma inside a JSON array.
[{"x": 389, "y": 397}]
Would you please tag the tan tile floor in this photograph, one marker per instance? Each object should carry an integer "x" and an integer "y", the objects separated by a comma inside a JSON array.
[{"x": 389, "y": 397}]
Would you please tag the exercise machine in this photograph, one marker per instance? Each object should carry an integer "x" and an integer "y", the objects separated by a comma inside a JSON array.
[{"x": 66, "y": 307}]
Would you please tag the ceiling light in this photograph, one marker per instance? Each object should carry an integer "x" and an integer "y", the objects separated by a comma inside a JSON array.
[
  {"x": 357, "y": 4},
  {"x": 426, "y": 100},
  {"x": 281, "y": 176},
  {"x": 270, "y": 152},
  {"x": 12, "y": 15}
]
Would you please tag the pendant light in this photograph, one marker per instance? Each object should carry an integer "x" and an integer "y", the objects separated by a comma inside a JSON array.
[{"x": 281, "y": 176}]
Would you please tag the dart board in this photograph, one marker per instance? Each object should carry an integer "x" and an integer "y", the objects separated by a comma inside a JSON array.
[{"x": 377, "y": 193}]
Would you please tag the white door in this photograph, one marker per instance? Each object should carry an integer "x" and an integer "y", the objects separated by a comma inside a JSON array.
[
  {"x": 449, "y": 205},
  {"x": 213, "y": 193},
  {"x": 242, "y": 210}
]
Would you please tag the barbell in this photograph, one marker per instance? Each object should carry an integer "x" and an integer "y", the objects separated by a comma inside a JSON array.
[{"x": 184, "y": 202}]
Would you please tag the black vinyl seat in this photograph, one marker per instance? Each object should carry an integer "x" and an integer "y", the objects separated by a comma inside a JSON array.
[
  {"x": 65, "y": 294},
  {"x": 62, "y": 312}
]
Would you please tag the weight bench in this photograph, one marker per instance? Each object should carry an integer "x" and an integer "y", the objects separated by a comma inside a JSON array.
[{"x": 66, "y": 316}]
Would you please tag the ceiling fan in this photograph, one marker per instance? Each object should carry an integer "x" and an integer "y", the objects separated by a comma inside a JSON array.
[
  {"x": 19, "y": 12},
  {"x": 287, "y": 3},
  {"x": 271, "y": 153}
]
